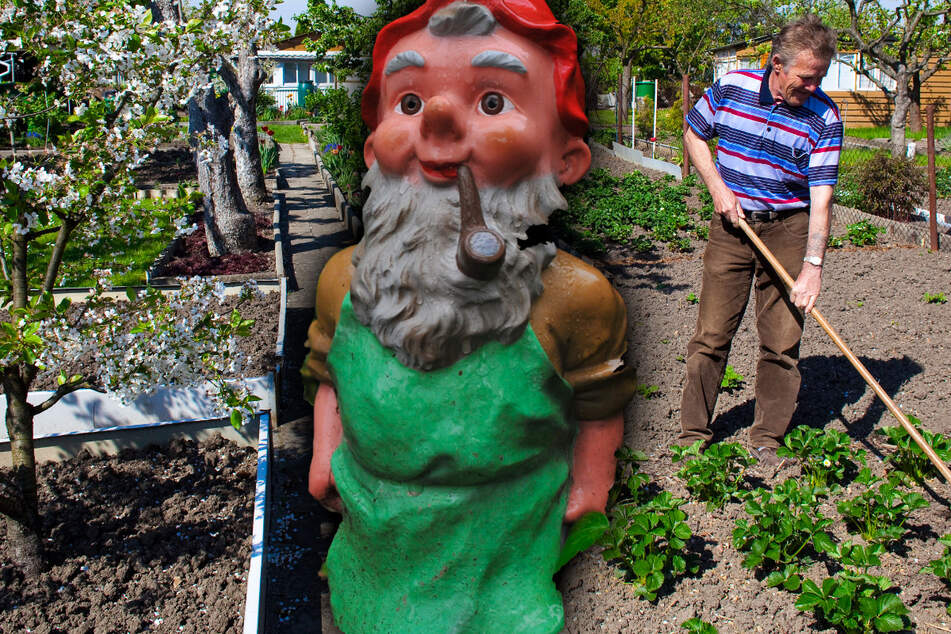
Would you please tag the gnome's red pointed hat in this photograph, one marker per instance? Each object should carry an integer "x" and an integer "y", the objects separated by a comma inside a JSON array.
[{"x": 532, "y": 19}]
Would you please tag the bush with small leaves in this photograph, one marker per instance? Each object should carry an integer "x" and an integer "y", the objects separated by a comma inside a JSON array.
[
  {"x": 889, "y": 187},
  {"x": 715, "y": 475}
]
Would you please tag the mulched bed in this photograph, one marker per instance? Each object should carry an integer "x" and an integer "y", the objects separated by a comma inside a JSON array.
[
  {"x": 156, "y": 540},
  {"x": 873, "y": 298},
  {"x": 192, "y": 258}
]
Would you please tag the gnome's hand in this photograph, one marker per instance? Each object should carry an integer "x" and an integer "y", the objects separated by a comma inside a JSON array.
[{"x": 328, "y": 431}]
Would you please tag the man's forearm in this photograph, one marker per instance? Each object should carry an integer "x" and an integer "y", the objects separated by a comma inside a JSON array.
[{"x": 820, "y": 220}]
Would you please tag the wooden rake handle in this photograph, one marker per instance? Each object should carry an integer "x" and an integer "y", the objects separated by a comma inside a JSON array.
[{"x": 885, "y": 398}]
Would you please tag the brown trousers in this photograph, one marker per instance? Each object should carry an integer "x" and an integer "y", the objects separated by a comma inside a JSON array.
[{"x": 730, "y": 265}]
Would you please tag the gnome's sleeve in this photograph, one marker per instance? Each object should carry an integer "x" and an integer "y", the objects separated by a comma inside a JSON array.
[
  {"x": 332, "y": 286},
  {"x": 583, "y": 320}
]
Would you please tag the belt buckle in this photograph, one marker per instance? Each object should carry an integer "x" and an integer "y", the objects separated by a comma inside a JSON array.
[{"x": 764, "y": 215}]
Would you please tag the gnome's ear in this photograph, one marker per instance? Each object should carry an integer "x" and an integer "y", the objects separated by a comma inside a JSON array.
[
  {"x": 368, "y": 156},
  {"x": 575, "y": 161}
]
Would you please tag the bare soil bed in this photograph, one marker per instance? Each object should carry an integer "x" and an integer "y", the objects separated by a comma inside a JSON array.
[
  {"x": 873, "y": 297},
  {"x": 192, "y": 257},
  {"x": 170, "y": 164},
  {"x": 153, "y": 540}
]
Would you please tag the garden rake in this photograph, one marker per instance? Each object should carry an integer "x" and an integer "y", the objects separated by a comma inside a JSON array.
[{"x": 885, "y": 398}]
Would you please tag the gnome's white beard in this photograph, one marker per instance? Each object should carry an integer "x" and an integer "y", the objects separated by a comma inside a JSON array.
[{"x": 407, "y": 287}]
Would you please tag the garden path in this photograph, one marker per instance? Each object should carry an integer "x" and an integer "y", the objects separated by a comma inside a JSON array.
[{"x": 300, "y": 529}]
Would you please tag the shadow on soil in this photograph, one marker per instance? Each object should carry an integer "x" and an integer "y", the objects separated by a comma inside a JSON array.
[{"x": 829, "y": 385}]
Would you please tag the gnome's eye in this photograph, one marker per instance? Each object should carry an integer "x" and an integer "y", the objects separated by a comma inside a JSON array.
[
  {"x": 409, "y": 104},
  {"x": 493, "y": 103}
]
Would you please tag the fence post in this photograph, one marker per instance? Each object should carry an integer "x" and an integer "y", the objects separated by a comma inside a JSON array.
[
  {"x": 932, "y": 182},
  {"x": 685, "y": 97}
]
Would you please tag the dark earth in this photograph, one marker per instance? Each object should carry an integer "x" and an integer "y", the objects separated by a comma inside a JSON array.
[{"x": 151, "y": 540}]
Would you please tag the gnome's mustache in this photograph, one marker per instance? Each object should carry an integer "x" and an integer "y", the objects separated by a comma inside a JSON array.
[{"x": 481, "y": 251}]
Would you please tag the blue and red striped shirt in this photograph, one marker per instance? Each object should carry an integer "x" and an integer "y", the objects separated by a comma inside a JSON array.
[{"x": 769, "y": 153}]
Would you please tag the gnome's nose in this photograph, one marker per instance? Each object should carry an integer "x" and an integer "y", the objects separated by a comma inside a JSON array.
[{"x": 440, "y": 119}]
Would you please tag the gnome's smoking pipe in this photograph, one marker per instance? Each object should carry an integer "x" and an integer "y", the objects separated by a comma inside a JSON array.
[{"x": 481, "y": 250}]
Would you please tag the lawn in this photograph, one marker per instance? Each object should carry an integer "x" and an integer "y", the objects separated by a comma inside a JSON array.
[
  {"x": 128, "y": 257},
  {"x": 883, "y": 132},
  {"x": 288, "y": 134}
]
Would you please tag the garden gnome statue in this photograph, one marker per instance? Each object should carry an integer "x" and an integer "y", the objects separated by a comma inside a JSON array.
[{"x": 471, "y": 384}]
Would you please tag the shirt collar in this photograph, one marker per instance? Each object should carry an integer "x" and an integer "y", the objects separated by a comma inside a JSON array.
[{"x": 765, "y": 94}]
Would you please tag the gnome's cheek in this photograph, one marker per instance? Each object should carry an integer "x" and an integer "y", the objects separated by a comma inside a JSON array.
[
  {"x": 509, "y": 154},
  {"x": 393, "y": 148}
]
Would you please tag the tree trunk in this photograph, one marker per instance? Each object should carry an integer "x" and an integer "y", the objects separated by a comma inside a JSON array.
[
  {"x": 624, "y": 99},
  {"x": 23, "y": 528},
  {"x": 899, "y": 114},
  {"x": 914, "y": 110},
  {"x": 229, "y": 227},
  {"x": 243, "y": 86}
]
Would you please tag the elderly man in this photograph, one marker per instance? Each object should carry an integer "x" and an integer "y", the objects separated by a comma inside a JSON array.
[
  {"x": 777, "y": 163},
  {"x": 471, "y": 381}
]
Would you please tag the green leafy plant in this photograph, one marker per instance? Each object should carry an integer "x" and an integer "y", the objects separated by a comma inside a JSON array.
[
  {"x": 268, "y": 156},
  {"x": 583, "y": 534},
  {"x": 863, "y": 233},
  {"x": 943, "y": 175},
  {"x": 908, "y": 456},
  {"x": 835, "y": 242},
  {"x": 855, "y": 603},
  {"x": 732, "y": 380},
  {"x": 647, "y": 535},
  {"x": 696, "y": 626},
  {"x": 879, "y": 513},
  {"x": 715, "y": 475},
  {"x": 934, "y": 298},
  {"x": 824, "y": 455},
  {"x": 941, "y": 567},
  {"x": 692, "y": 298},
  {"x": 783, "y": 522},
  {"x": 647, "y": 391}
]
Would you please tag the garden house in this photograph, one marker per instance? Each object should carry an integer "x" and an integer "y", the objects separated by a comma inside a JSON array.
[
  {"x": 294, "y": 73},
  {"x": 861, "y": 103}
]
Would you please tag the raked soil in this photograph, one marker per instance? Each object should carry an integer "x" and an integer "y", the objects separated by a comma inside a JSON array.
[
  {"x": 154, "y": 540},
  {"x": 874, "y": 298}
]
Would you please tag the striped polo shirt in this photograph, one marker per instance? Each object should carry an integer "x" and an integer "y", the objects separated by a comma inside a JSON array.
[{"x": 768, "y": 152}]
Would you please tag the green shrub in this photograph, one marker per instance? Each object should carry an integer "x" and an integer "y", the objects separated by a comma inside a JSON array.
[
  {"x": 863, "y": 233},
  {"x": 879, "y": 513},
  {"x": 908, "y": 456},
  {"x": 889, "y": 187},
  {"x": 943, "y": 179},
  {"x": 941, "y": 567},
  {"x": 855, "y": 603}
]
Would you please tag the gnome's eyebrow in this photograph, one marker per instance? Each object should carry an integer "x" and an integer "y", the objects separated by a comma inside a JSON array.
[
  {"x": 404, "y": 60},
  {"x": 499, "y": 59}
]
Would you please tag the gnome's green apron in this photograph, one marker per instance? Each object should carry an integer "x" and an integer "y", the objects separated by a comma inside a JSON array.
[{"x": 454, "y": 484}]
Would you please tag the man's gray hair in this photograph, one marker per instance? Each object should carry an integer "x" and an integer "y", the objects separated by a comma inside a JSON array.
[
  {"x": 462, "y": 18},
  {"x": 808, "y": 33}
]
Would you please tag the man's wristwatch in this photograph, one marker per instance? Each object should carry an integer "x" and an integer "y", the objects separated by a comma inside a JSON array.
[{"x": 814, "y": 260}]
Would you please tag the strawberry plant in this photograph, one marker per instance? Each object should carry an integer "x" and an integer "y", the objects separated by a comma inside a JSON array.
[
  {"x": 934, "y": 298},
  {"x": 941, "y": 567},
  {"x": 863, "y": 233},
  {"x": 715, "y": 475},
  {"x": 647, "y": 534},
  {"x": 647, "y": 391},
  {"x": 908, "y": 457},
  {"x": 879, "y": 513},
  {"x": 783, "y": 522},
  {"x": 732, "y": 380},
  {"x": 648, "y": 542},
  {"x": 824, "y": 455},
  {"x": 692, "y": 298},
  {"x": 696, "y": 626},
  {"x": 855, "y": 603}
]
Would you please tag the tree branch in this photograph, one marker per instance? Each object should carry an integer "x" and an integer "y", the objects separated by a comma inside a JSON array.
[
  {"x": 63, "y": 390},
  {"x": 56, "y": 257}
]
